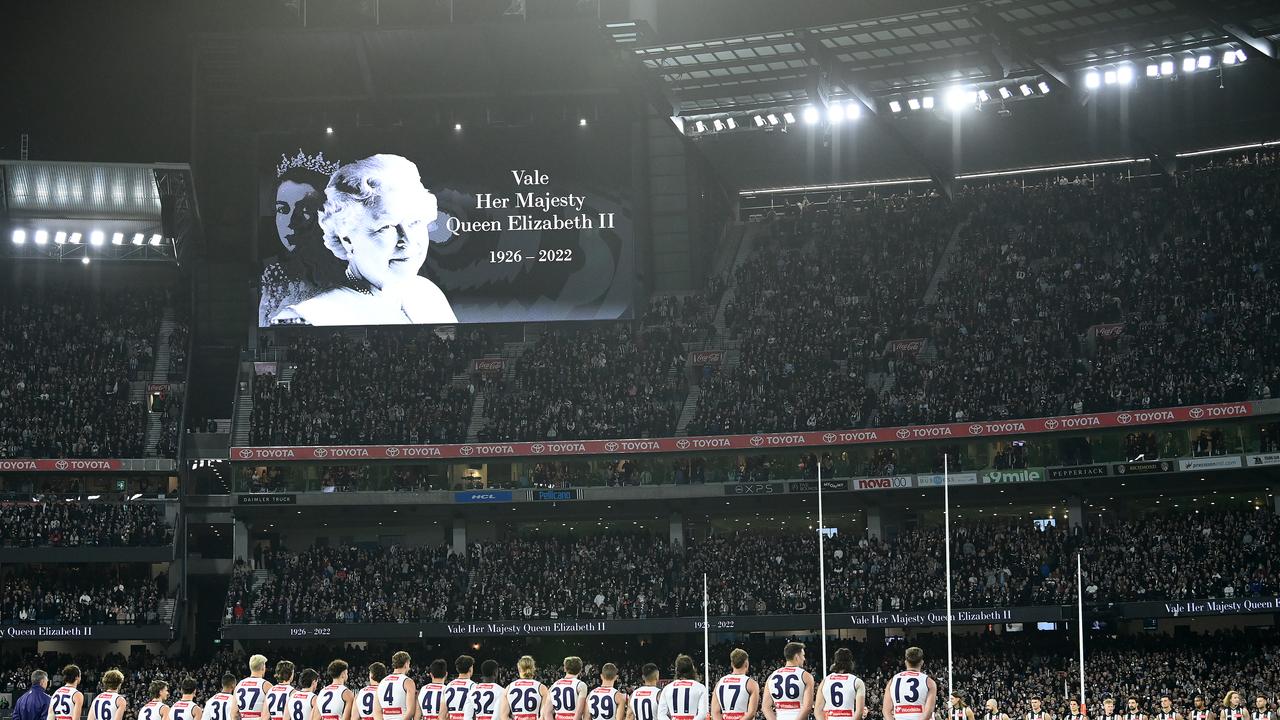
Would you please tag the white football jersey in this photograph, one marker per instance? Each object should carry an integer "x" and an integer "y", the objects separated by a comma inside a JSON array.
[
  {"x": 786, "y": 686},
  {"x": 602, "y": 703},
  {"x": 430, "y": 698},
  {"x": 151, "y": 711},
  {"x": 564, "y": 697},
  {"x": 366, "y": 698},
  {"x": 457, "y": 699},
  {"x": 734, "y": 696},
  {"x": 644, "y": 703},
  {"x": 181, "y": 710},
  {"x": 683, "y": 700},
  {"x": 486, "y": 699},
  {"x": 103, "y": 706},
  {"x": 392, "y": 698},
  {"x": 524, "y": 696},
  {"x": 63, "y": 702},
  {"x": 277, "y": 698},
  {"x": 331, "y": 702},
  {"x": 840, "y": 695},
  {"x": 299, "y": 706},
  {"x": 908, "y": 691},
  {"x": 251, "y": 697},
  {"x": 218, "y": 707}
]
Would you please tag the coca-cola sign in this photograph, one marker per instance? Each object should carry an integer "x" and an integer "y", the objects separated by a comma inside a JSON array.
[
  {"x": 706, "y": 357},
  {"x": 488, "y": 366},
  {"x": 910, "y": 346},
  {"x": 1108, "y": 331}
]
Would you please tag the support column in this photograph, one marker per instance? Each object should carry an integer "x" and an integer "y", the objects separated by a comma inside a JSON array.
[
  {"x": 1275, "y": 503},
  {"x": 459, "y": 536},
  {"x": 1075, "y": 512},
  {"x": 676, "y": 530},
  {"x": 240, "y": 541},
  {"x": 874, "y": 528}
]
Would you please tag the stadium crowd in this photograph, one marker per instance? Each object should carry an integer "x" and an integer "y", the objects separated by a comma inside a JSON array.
[
  {"x": 65, "y": 370},
  {"x": 995, "y": 563},
  {"x": 383, "y": 386},
  {"x": 83, "y": 524},
  {"x": 597, "y": 383},
  {"x": 81, "y": 595},
  {"x": 1009, "y": 669}
]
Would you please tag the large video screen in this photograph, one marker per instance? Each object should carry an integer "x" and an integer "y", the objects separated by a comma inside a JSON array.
[{"x": 453, "y": 225}]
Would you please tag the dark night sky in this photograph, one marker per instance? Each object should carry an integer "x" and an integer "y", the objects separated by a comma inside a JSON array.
[{"x": 100, "y": 80}]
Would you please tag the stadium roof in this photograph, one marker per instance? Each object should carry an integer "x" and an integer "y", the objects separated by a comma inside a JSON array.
[
  {"x": 116, "y": 211},
  {"x": 975, "y": 43}
]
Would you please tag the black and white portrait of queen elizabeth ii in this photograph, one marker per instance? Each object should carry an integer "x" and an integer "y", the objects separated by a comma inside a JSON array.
[{"x": 376, "y": 218}]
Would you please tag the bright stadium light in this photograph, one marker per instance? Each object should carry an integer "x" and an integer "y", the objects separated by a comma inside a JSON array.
[
  {"x": 1229, "y": 57},
  {"x": 85, "y": 259},
  {"x": 75, "y": 238},
  {"x": 1025, "y": 89},
  {"x": 1204, "y": 61},
  {"x": 582, "y": 122},
  {"x": 19, "y": 237},
  {"x": 983, "y": 96},
  {"x": 1240, "y": 56},
  {"x": 852, "y": 111},
  {"x": 773, "y": 119},
  {"x": 1153, "y": 70},
  {"x": 97, "y": 237},
  {"x": 1166, "y": 67},
  {"x": 138, "y": 238},
  {"x": 700, "y": 126},
  {"x": 927, "y": 102},
  {"x": 810, "y": 115},
  {"x": 1188, "y": 64},
  {"x": 954, "y": 99},
  {"x": 731, "y": 123},
  {"x": 156, "y": 240},
  {"x": 328, "y": 130},
  {"x": 718, "y": 124},
  {"x": 758, "y": 120},
  {"x": 1044, "y": 87},
  {"x": 895, "y": 106},
  {"x": 457, "y": 127},
  {"x": 913, "y": 103},
  {"x": 1005, "y": 93},
  {"x": 117, "y": 238},
  {"x": 1109, "y": 77},
  {"x": 42, "y": 237},
  {"x": 788, "y": 118},
  {"x": 1092, "y": 80},
  {"x": 835, "y": 113},
  {"x": 1125, "y": 74},
  {"x": 60, "y": 238}
]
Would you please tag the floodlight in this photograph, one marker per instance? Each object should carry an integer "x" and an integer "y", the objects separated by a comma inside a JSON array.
[
  {"x": 1006, "y": 93},
  {"x": 138, "y": 238},
  {"x": 927, "y": 101},
  {"x": 835, "y": 113},
  {"x": 810, "y": 115},
  {"x": 1092, "y": 80},
  {"x": 329, "y": 130},
  {"x": 42, "y": 237},
  {"x": 983, "y": 96},
  {"x": 788, "y": 118},
  {"x": 1044, "y": 87},
  {"x": 852, "y": 111},
  {"x": 733, "y": 124},
  {"x": 913, "y": 103},
  {"x": 1204, "y": 61},
  {"x": 1109, "y": 77},
  {"x": 582, "y": 122},
  {"x": 117, "y": 238},
  {"x": 156, "y": 239},
  {"x": 758, "y": 120},
  {"x": 1229, "y": 57},
  {"x": 1125, "y": 74},
  {"x": 700, "y": 126},
  {"x": 457, "y": 126},
  {"x": 718, "y": 124},
  {"x": 1153, "y": 70},
  {"x": 1025, "y": 89},
  {"x": 1240, "y": 56},
  {"x": 1188, "y": 64},
  {"x": 75, "y": 238},
  {"x": 60, "y": 238},
  {"x": 85, "y": 259},
  {"x": 1166, "y": 67},
  {"x": 895, "y": 106},
  {"x": 19, "y": 237},
  {"x": 773, "y": 119},
  {"x": 97, "y": 237}
]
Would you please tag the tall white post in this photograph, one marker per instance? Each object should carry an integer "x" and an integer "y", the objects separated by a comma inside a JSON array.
[
  {"x": 1080, "y": 619},
  {"x": 706, "y": 631},
  {"x": 946, "y": 515},
  {"x": 822, "y": 572}
]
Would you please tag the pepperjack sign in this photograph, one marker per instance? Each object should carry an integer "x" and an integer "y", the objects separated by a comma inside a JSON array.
[{"x": 748, "y": 443}]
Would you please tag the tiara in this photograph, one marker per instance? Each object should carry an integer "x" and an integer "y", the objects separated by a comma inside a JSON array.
[{"x": 316, "y": 163}]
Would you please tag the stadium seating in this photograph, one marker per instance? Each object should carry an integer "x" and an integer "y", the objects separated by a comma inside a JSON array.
[
  {"x": 86, "y": 595},
  {"x": 995, "y": 563},
  {"x": 66, "y": 364},
  {"x": 83, "y": 524}
]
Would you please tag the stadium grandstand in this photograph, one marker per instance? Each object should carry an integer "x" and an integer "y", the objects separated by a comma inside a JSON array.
[{"x": 641, "y": 360}]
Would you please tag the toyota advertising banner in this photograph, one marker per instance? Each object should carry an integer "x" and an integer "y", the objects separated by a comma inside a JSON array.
[{"x": 770, "y": 441}]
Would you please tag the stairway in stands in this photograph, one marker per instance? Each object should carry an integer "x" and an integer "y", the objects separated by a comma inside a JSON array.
[
  {"x": 244, "y": 415},
  {"x": 165, "y": 611},
  {"x": 160, "y": 374}
]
